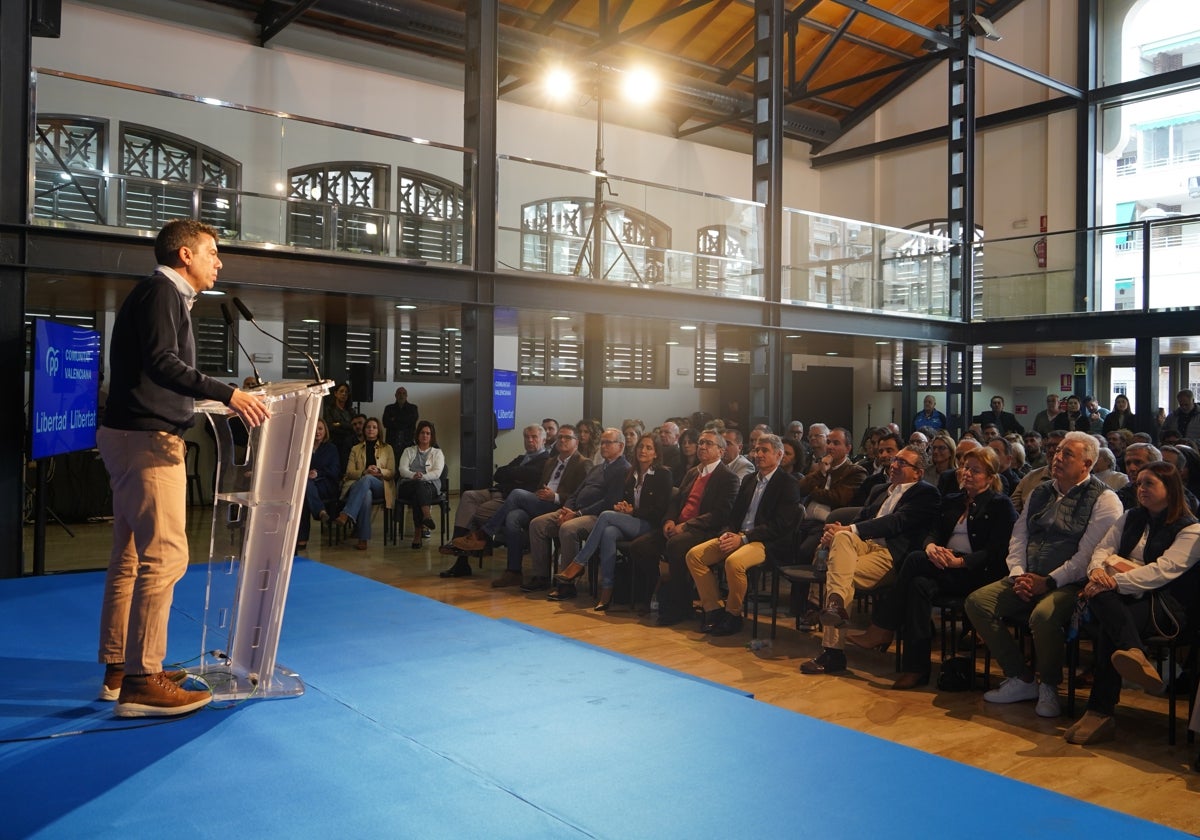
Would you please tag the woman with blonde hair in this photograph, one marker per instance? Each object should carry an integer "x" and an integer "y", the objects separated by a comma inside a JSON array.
[{"x": 370, "y": 476}]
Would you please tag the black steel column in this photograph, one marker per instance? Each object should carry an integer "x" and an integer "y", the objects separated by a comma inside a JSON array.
[
  {"x": 479, "y": 328},
  {"x": 1085, "y": 157},
  {"x": 16, "y": 51},
  {"x": 766, "y": 373},
  {"x": 960, "y": 204},
  {"x": 1145, "y": 389},
  {"x": 593, "y": 367}
]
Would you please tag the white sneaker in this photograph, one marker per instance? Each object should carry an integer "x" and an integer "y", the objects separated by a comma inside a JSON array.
[
  {"x": 1013, "y": 690},
  {"x": 1047, "y": 704}
]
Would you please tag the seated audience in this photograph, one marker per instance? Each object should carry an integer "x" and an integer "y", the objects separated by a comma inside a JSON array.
[
  {"x": 1034, "y": 456},
  {"x": 523, "y": 472},
  {"x": 1025, "y": 486},
  {"x": 632, "y": 430},
  {"x": 791, "y": 455},
  {"x": 1142, "y": 580},
  {"x": 420, "y": 483},
  {"x": 1105, "y": 469},
  {"x": 941, "y": 457},
  {"x": 1052, "y": 543},
  {"x": 886, "y": 445},
  {"x": 573, "y": 520},
  {"x": 698, "y": 512},
  {"x": 762, "y": 521},
  {"x": 964, "y": 550},
  {"x": 1008, "y": 476},
  {"x": 647, "y": 491},
  {"x": 732, "y": 456},
  {"x": 370, "y": 475},
  {"x": 561, "y": 476},
  {"x": 322, "y": 485},
  {"x": 897, "y": 517}
]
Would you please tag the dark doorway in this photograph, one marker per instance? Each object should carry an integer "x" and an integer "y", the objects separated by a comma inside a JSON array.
[{"x": 824, "y": 395}]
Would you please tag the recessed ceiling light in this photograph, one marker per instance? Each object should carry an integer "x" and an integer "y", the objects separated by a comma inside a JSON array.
[
  {"x": 560, "y": 318},
  {"x": 405, "y": 306},
  {"x": 688, "y": 327},
  {"x": 995, "y": 347},
  {"x": 882, "y": 343},
  {"x": 310, "y": 320},
  {"x": 672, "y": 343},
  {"x": 451, "y": 329},
  {"x": 794, "y": 335},
  {"x": 831, "y": 353},
  {"x": 213, "y": 292}
]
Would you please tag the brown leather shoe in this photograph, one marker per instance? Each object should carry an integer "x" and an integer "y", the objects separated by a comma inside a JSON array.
[
  {"x": 342, "y": 519},
  {"x": 1092, "y": 728},
  {"x": 910, "y": 679},
  {"x": 361, "y": 545},
  {"x": 155, "y": 695},
  {"x": 114, "y": 677},
  {"x": 507, "y": 578},
  {"x": 474, "y": 541},
  {"x": 873, "y": 637},
  {"x": 834, "y": 614},
  {"x": 1133, "y": 665}
]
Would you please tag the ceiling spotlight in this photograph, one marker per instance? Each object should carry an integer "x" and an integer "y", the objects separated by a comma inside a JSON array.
[
  {"x": 560, "y": 317},
  {"x": 559, "y": 83},
  {"x": 687, "y": 327},
  {"x": 639, "y": 86},
  {"x": 405, "y": 306},
  {"x": 984, "y": 28}
]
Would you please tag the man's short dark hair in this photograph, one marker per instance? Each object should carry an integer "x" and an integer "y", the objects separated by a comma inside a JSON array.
[
  {"x": 179, "y": 233},
  {"x": 892, "y": 436}
]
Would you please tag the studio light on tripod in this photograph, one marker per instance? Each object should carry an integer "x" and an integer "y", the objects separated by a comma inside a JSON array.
[
  {"x": 640, "y": 85},
  {"x": 558, "y": 83}
]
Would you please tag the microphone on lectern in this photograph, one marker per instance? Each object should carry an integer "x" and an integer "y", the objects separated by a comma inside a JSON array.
[
  {"x": 246, "y": 314},
  {"x": 229, "y": 321}
]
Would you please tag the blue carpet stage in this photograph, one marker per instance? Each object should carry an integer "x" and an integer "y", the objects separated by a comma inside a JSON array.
[{"x": 423, "y": 720}]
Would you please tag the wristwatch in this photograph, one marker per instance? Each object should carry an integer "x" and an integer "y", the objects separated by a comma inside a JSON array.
[{"x": 1051, "y": 584}]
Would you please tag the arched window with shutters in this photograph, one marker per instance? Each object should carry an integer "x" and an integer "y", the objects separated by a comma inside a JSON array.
[
  {"x": 339, "y": 206},
  {"x": 431, "y": 217},
  {"x": 723, "y": 261},
  {"x": 71, "y": 156},
  {"x": 170, "y": 177},
  {"x": 556, "y": 234}
]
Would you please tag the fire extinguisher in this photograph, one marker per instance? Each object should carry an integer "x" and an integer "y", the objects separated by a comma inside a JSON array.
[
  {"x": 1039, "y": 247},
  {"x": 1039, "y": 250}
]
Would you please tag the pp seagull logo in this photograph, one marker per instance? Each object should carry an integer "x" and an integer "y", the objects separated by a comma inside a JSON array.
[{"x": 52, "y": 361}]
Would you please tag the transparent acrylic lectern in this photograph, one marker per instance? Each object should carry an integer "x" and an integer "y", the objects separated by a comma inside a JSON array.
[{"x": 257, "y": 507}]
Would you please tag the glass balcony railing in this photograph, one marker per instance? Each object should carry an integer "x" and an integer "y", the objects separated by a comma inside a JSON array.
[
  {"x": 642, "y": 234},
  {"x": 115, "y": 156},
  {"x": 1038, "y": 275},
  {"x": 829, "y": 261}
]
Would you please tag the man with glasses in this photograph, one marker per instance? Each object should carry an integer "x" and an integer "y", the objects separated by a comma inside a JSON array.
[
  {"x": 894, "y": 522},
  {"x": 1048, "y": 555},
  {"x": 698, "y": 512},
  {"x": 603, "y": 488},
  {"x": 561, "y": 476}
]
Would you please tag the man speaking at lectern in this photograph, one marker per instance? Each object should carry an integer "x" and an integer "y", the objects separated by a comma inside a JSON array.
[{"x": 153, "y": 385}]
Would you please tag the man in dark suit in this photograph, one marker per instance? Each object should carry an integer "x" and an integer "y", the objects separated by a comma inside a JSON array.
[
  {"x": 1005, "y": 421},
  {"x": 603, "y": 488},
  {"x": 561, "y": 476},
  {"x": 763, "y": 518},
  {"x": 523, "y": 472},
  {"x": 894, "y": 522},
  {"x": 698, "y": 512}
]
